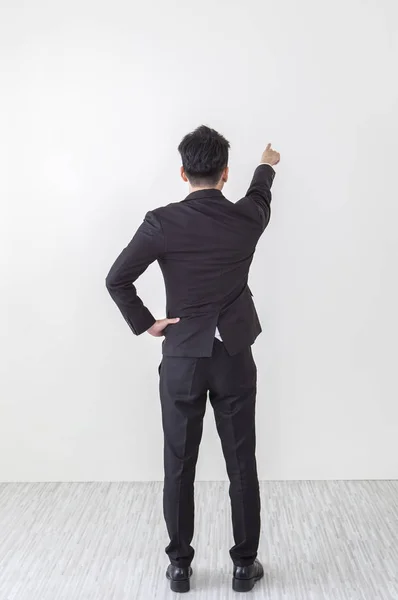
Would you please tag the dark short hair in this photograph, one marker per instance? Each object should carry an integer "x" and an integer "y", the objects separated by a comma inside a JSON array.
[{"x": 204, "y": 154}]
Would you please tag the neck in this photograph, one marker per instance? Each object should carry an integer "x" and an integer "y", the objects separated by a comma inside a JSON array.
[{"x": 192, "y": 189}]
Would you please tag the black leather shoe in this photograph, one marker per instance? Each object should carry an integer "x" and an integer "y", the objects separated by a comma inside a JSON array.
[
  {"x": 179, "y": 578},
  {"x": 245, "y": 577}
]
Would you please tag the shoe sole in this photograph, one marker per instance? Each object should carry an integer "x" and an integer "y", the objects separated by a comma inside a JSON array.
[
  {"x": 180, "y": 586},
  {"x": 245, "y": 585}
]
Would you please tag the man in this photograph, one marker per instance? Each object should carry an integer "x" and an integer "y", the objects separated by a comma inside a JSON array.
[{"x": 204, "y": 246}]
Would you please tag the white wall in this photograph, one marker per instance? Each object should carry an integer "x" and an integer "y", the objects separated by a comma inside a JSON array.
[{"x": 95, "y": 98}]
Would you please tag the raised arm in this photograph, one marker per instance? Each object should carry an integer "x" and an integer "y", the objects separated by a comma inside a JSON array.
[{"x": 258, "y": 196}]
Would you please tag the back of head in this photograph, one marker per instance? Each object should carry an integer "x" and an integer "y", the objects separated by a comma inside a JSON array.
[{"x": 204, "y": 154}]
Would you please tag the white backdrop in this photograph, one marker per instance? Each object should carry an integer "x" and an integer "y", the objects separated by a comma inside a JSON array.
[{"x": 95, "y": 96}]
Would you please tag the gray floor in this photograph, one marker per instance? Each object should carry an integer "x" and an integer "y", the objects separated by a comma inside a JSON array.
[{"x": 101, "y": 541}]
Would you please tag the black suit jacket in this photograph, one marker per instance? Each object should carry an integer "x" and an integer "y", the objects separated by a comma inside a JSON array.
[{"x": 204, "y": 246}]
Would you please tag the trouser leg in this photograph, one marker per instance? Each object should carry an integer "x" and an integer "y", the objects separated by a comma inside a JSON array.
[
  {"x": 183, "y": 395},
  {"x": 233, "y": 397}
]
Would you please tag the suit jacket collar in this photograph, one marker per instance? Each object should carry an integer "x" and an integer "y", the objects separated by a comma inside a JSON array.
[{"x": 201, "y": 194}]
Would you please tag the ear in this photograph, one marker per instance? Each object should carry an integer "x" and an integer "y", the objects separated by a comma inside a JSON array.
[
  {"x": 183, "y": 176},
  {"x": 225, "y": 174}
]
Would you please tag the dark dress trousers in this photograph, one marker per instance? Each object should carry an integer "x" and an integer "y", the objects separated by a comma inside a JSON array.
[{"x": 204, "y": 246}]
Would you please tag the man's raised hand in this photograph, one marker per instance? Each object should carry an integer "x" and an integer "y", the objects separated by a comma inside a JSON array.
[{"x": 270, "y": 156}]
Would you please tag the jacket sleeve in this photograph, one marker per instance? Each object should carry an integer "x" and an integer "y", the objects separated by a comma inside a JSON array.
[
  {"x": 146, "y": 246},
  {"x": 258, "y": 197}
]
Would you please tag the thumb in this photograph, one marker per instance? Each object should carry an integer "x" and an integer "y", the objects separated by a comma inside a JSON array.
[
  {"x": 268, "y": 147},
  {"x": 171, "y": 321}
]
